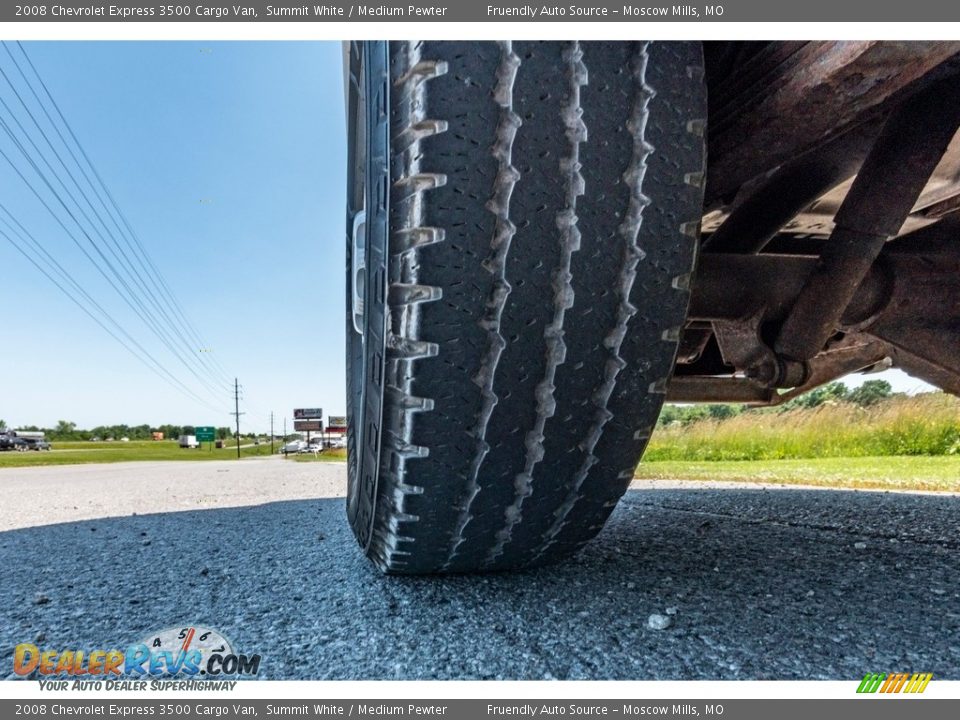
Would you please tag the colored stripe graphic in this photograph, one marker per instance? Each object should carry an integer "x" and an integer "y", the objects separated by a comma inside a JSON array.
[
  {"x": 913, "y": 684},
  {"x": 894, "y": 683},
  {"x": 871, "y": 682}
]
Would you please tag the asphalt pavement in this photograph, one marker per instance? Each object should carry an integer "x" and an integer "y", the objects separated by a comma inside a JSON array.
[{"x": 686, "y": 582}]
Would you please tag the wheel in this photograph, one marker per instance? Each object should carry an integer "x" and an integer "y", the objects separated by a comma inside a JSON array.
[{"x": 522, "y": 227}]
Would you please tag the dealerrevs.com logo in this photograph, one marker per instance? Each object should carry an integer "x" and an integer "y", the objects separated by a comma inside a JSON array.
[{"x": 192, "y": 652}]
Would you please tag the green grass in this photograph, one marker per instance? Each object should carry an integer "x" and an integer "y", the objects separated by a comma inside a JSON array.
[
  {"x": 906, "y": 443},
  {"x": 923, "y": 425},
  {"x": 74, "y": 453},
  {"x": 884, "y": 473}
]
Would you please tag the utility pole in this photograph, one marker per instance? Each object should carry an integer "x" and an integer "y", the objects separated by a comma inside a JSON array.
[
  {"x": 236, "y": 411},
  {"x": 271, "y": 432}
]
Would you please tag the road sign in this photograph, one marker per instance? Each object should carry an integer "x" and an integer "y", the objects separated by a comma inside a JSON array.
[
  {"x": 337, "y": 423},
  {"x": 309, "y": 425},
  {"x": 205, "y": 434},
  {"x": 308, "y": 414}
]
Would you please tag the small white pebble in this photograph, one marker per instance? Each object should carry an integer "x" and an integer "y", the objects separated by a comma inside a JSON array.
[
  {"x": 659, "y": 622},
  {"x": 860, "y": 546},
  {"x": 671, "y": 611}
]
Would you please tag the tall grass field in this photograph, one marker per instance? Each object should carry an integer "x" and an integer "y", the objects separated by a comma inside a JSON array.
[{"x": 923, "y": 425}]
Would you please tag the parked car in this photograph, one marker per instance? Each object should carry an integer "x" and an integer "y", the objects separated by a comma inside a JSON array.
[
  {"x": 294, "y": 446},
  {"x": 36, "y": 444},
  {"x": 12, "y": 442},
  {"x": 338, "y": 443}
]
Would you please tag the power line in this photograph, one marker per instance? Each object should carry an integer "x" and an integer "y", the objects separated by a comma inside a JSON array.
[
  {"x": 143, "y": 258},
  {"x": 146, "y": 358},
  {"x": 145, "y": 290},
  {"x": 131, "y": 298},
  {"x": 156, "y": 326}
]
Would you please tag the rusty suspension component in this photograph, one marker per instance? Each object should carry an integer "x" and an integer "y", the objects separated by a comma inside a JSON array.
[
  {"x": 775, "y": 109},
  {"x": 891, "y": 179},
  {"x": 755, "y": 221},
  {"x": 906, "y": 310}
]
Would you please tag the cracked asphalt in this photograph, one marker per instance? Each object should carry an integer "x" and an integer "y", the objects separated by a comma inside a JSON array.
[{"x": 750, "y": 582}]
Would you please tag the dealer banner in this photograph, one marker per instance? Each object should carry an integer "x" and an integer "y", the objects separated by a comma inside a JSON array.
[
  {"x": 730, "y": 709},
  {"x": 615, "y": 11}
]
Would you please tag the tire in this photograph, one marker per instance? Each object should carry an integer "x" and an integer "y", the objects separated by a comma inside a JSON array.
[{"x": 531, "y": 224}]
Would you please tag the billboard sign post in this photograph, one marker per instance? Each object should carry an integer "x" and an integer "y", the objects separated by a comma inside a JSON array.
[{"x": 309, "y": 420}]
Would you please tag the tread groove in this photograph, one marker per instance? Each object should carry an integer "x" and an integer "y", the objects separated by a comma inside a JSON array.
[
  {"x": 496, "y": 264},
  {"x": 563, "y": 298},
  {"x": 633, "y": 254}
]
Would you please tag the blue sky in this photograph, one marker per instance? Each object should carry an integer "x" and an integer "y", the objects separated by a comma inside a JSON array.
[{"x": 228, "y": 159}]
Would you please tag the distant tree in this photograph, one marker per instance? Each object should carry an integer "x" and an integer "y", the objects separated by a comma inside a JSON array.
[
  {"x": 669, "y": 415},
  {"x": 170, "y": 432},
  {"x": 722, "y": 412},
  {"x": 3, "y": 426},
  {"x": 871, "y": 392},
  {"x": 683, "y": 414},
  {"x": 64, "y": 428},
  {"x": 831, "y": 392},
  {"x": 223, "y": 433}
]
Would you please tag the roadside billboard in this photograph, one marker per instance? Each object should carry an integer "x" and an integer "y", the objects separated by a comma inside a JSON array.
[{"x": 308, "y": 414}]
